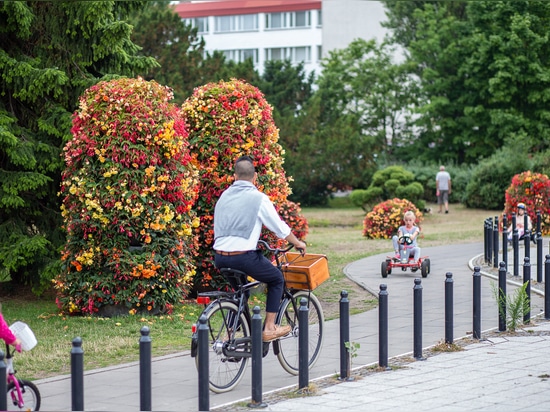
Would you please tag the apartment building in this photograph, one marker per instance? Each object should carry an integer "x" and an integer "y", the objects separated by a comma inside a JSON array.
[{"x": 299, "y": 30}]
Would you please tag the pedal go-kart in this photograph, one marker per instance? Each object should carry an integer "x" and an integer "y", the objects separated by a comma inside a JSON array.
[{"x": 395, "y": 262}]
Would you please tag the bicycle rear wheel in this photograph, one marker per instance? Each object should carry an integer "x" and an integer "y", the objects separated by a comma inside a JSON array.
[
  {"x": 30, "y": 394},
  {"x": 225, "y": 372},
  {"x": 287, "y": 347}
]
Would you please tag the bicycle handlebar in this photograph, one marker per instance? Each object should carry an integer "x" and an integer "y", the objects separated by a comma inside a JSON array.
[{"x": 276, "y": 251}]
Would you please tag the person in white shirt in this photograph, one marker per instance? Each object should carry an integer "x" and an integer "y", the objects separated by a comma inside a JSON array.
[
  {"x": 443, "y": 188},
  {"x": 239, "y": 215}
]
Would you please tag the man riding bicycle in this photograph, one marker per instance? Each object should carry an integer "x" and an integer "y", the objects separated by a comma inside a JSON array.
[{"x": 238, "y": 218}]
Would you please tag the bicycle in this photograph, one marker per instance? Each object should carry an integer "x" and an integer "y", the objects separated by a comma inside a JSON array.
[
  {"x": 229, "y": 322},
  {"x": 23, "y": 395}
]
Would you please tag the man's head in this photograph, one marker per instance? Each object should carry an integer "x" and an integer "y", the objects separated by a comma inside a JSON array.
[
  {"x": 442, "y": 168},
  {"x": 244, "y": 169}
]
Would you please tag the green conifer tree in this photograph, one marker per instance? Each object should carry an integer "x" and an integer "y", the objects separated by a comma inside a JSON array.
[{"x": 50, "y": 52}]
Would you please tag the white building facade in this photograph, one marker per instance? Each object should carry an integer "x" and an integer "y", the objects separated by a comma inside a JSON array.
[{"x": 299, "y": 30}]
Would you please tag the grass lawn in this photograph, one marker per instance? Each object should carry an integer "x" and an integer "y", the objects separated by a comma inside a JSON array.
[{"x": 335, "y": 231}]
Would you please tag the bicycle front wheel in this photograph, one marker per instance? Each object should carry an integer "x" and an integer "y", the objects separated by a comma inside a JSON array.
[
  {"x": 224, "y": 372},
  {"x": 30, "y": 397},
  {"x": 287, "y": 347}
]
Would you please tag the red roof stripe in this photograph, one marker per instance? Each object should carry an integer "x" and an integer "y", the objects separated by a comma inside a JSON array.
[{"x": 233, "y": 7}]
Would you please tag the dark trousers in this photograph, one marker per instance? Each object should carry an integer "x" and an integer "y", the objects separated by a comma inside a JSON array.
[{"x": 256, "y": 265}]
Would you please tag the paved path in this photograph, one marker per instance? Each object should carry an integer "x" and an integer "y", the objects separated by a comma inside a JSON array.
[{"x": 175, "y": 378}]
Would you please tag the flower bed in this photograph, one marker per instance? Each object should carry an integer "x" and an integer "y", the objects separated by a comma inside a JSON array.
[
  {"x": 128, "y": 192},
  {"x": 532, "y": 189},
  {"x": 227, "y": 120}
]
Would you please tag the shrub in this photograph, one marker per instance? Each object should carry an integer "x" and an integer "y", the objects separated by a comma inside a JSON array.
[
  {"x": 388, "y": 183},
  {"x": 491, "y": 178},
  {"x": 128, "y": 190},
  {"x": 227, "y": 120},
  {"x": 386, "y": 217},
  {"x": 533, "y": 189},
  {"x": 425, "y": 175},
  {"x": 365, "y": 197}
]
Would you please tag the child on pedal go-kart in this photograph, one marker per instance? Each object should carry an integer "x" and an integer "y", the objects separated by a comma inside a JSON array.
[{"x": 404, "y": 243}]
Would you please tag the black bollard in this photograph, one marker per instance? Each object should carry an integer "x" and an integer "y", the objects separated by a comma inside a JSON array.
[
  {"x": 502, "y": 297},
  {"x": 515, "y": 242},
  {"x": 526, "y": 234},
  {"x": 490, "y": 241},
  {"x": 145, "y": 369},
  {"x": 202, "y": 353},
  {"x": 527, "y": 278},
  {"x": 303, "y": 339},
  {"x": 477, "y": 304},
  {"x": 527, "y": 242},
  {"x": 547, "y": 288},
  {"x": 77, "y": 375},
  {"x": 345, "y": 355},
  {"x": 485, "y": 241},
  {"x": 383, "y": 327},
  {"x": 257, "y": 354},
  {"x": 449, "y": 337},
  {"x": 539, "y": 257},
  {"x": 505, "y": 240},
  {"x": 495, "y": 243},
  {"x": 417, "y": 319},
  {"x": 3, "y": 383}
]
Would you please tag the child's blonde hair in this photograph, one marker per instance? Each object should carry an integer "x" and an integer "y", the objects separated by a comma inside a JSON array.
[{"x": 409, "y": 213}]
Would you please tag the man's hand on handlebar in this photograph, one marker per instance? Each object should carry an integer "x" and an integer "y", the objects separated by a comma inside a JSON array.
[{"x": 300, "y": 247}]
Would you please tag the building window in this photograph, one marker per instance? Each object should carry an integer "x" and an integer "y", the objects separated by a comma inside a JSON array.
[
  {"x": 200, "y": 23},
  {"x": 319, "y": 53},
  {"x": 294, "y": 54},
  {"x": 319, "y": 18},
  {"x": 288, "y": 20},
  {"x": 241, "y": 55},
  {"x": 242, "y": 22}
]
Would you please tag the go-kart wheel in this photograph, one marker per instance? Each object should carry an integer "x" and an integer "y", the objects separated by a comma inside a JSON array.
[
  {"x": 428, "y": 265},
  {"x": 384, "y": 269},
  {"x": 424, "y": 267}
]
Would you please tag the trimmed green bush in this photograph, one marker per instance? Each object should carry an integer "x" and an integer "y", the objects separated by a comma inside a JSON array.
[{"x": 491, "y": 178}]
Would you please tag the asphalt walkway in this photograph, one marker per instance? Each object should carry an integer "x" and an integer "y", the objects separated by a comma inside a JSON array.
[{"x": 489, "y": 373}]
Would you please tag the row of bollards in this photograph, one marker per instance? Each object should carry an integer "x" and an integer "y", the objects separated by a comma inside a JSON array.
[
  {"x": 417, "y": 315},
  {"x": 491, "y": 243},
  {"x": 77, "y": 373},
  {"x": 256, "y": 345},
  {"x": 383, "y": 301}
]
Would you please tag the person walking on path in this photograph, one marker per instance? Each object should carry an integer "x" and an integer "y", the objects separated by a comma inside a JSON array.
[
  {"x": 443, "y": 188},
  {"x": 238, "y": 218}
]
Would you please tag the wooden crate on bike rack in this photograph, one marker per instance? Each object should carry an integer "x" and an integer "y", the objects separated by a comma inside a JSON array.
[{"x": 305, "y": 271}]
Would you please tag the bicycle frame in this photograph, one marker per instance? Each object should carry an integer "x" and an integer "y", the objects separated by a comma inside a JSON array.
[{"x": 12, "y": 379}]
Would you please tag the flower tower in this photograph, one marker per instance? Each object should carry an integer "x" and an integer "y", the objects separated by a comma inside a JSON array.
[
  {"x": 227, "y": 120},
  {"x": 532, "y": 189},
  {"x": 128, "y": 192},
  {"x": 383, "y": 221}
]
